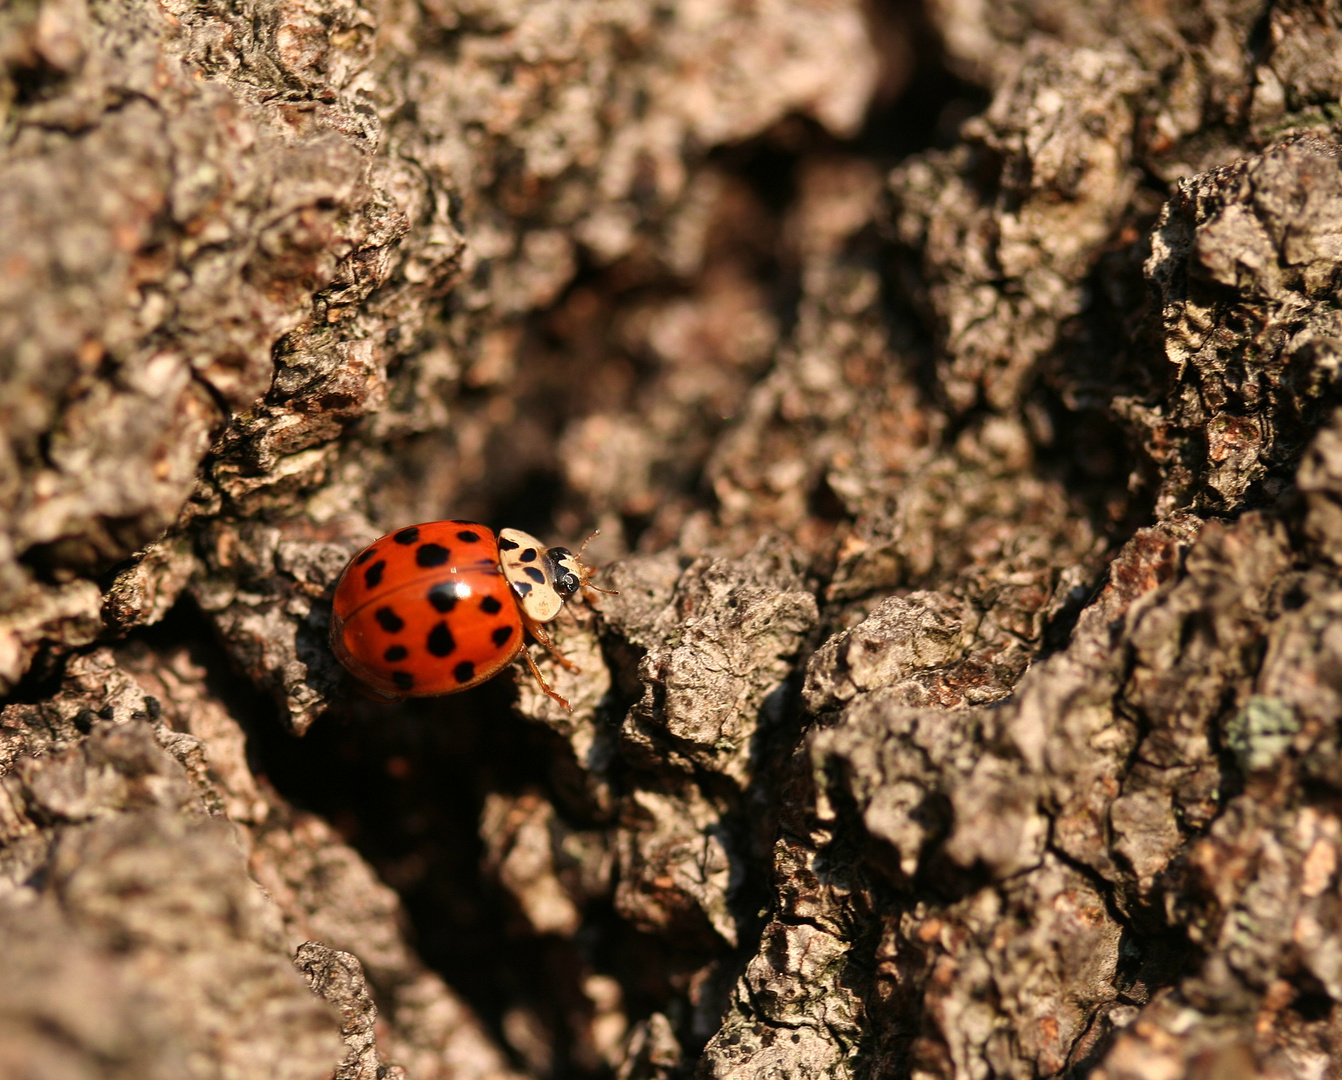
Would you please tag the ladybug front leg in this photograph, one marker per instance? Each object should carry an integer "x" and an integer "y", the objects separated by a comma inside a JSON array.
[
  {"x": 538, "y": 631},
  {"x": 535, "y": 671}
]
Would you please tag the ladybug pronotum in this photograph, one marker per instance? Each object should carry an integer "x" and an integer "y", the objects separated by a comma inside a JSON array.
[{"x": 440, "y": 607}]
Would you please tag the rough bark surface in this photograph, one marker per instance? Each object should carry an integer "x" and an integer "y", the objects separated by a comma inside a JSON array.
[{"x": 956, "y": 389}]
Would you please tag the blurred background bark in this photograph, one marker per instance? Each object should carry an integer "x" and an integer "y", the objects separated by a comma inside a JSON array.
[{"x": 955, "y": 388}]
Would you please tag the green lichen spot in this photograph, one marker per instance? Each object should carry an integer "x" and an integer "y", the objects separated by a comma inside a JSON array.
[{"x": 1260, "y": 733}]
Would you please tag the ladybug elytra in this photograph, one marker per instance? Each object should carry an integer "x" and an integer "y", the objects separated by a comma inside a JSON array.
[{"x": 440, "y": 607}]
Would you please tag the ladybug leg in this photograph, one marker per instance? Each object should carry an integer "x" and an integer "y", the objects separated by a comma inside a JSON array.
[
  {"x": 538, "y": 631},
  {"x": 535, "y": 671},
  {"x": 542, "y": 635},
  {"x": 376, "y": 695}
]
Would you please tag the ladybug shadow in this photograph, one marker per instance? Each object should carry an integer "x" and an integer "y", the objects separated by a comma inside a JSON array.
[{"x": 405, "y": 784}]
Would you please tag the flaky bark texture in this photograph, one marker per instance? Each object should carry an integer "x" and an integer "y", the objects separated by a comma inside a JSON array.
[{"x": 956, "y": 387}]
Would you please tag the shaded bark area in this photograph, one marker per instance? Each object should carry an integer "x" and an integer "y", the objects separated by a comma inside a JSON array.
[{"x": 956, "y": 391}]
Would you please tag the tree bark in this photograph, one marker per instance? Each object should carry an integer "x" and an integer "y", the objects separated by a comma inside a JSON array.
[{"x": 956, "y": 391}]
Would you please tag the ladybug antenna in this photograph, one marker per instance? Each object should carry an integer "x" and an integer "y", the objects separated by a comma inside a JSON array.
[{"x": 588, "y": 571}]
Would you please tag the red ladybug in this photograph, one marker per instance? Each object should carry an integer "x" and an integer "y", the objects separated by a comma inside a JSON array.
[{"x": 440, "y": 607}]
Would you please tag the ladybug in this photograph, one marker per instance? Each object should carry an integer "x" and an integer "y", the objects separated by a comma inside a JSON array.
[{"x": 440, "y": 607}]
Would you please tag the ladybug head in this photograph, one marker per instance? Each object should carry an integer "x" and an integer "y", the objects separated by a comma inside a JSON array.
[{"x": 569, "y": 573}]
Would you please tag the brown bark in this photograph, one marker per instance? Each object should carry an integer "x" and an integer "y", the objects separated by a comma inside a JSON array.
[{"x": 956, "y": 390}]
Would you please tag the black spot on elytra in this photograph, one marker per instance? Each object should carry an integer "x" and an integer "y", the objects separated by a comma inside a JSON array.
[
  {"x": 464, "y": 672},
  {"x": 403, "y": 680},
  {"x": 508, "y": 545},
  {"x": 373, "y": 575},
  {"x": 395, "y": 654},
  {"x": 522, "y": 588},
  {"x": 389, "y": 620},
  {"x": 528, "y": 556},
  {"x": 364, "y": 556},
  {"x": 431, "y": 555},
  {"x": 443, "y": 598},
  {"x": 466, "y": 536},
  {"x": 501, "y": 635},
  {"x": 407, "y": 536},
  {"x": 440, "y": 642},
  {"x": 535, "y": 575},
  {"x": 490, "y": 605}
]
